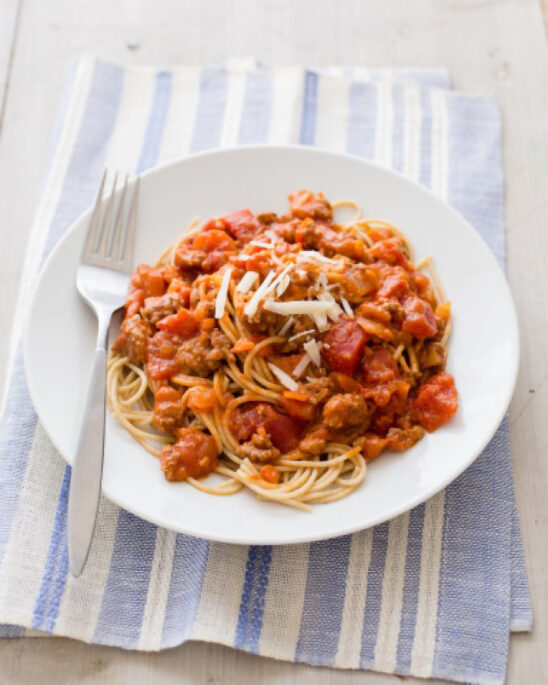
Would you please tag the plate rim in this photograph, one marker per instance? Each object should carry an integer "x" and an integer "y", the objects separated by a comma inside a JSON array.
[{"x": 349, "y": 528}]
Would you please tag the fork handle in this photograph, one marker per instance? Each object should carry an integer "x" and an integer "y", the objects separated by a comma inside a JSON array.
[{"x": 87, "y": 466}]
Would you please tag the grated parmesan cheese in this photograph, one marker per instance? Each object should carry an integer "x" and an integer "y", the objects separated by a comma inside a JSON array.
[
  {"x": 247, "y": 282},
  {"x": 287, "y": 325},
  {"x": 313, "y": 350},
  {"x": 262, "y": 291},
  {"x": 334, "y": 311},
  {"x": 283, "y": 377},
  {"x": 320, "y": 319},
  {"x": 313, "y": 256},
  {"x": 261, "y": 243},
  {"x": 310, "y": 307},
  {"x": 301, "y": 366},
  {"x": 300, "y": 335},
  {"x": 283, "y": 285},
  {"x": 220, "y": 301},
  {"x": 346, "y": 306}
]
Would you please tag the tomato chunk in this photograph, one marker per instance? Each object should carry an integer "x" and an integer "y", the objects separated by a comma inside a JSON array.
[
  {"x": 202, "y": 398},
  {"x": 389, "y": 251},
  {"x": 343, "y": 345},
  {"x": 304, "y": 203},
  {"x": 436, "y": 401},
  {"x": 302, "y": 411},
  {"x": 379, "y": 366},
  {"x": 379, "y": 370},
  {"x": 161, "y": 351},
  {"x": 134, "y": 302},
  {"x": 150, "y": 281},
  {"x": 284, "y": 431},
  {"x": 243, "y": 225},
  {"x": 419, "y": 318},
  {"x": 395, "y": 283},
  {"x": 213, "y": 240},
  {"x": 183, "y": 324},
  {"x": 194, "y": 454},
  {"x": 270, "y": 474},
  {"x": 372, "y": 445}
]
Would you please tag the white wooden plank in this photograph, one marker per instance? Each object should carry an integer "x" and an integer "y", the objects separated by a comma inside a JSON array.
[{"x": 488, "y": 47}]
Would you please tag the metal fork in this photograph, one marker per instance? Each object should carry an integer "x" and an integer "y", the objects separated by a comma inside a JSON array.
[{"x": 102, "y": 280}]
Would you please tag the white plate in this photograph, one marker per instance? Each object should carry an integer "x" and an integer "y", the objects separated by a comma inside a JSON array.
[{"x": 483, "y": 349}]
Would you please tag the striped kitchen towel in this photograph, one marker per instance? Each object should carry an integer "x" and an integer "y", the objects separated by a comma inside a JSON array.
[{"x": 434, "y": 592}]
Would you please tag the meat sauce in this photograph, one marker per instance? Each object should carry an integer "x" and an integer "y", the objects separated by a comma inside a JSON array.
[{"x": 362, "y": 394}]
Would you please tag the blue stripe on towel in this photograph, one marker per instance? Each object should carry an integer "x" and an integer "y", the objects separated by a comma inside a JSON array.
[
  {"x": 210, "y": 110},
  {"x": 362, "y": 115},
  {"x": 126, "y": 591},
  {"x": 307, "y": 134},
  {"x": 410, "y": 596},
  {"x": 88, "y": 157},
  {"x": 250, "y": 619},
  {"x": 55, "y": 572},
  {"x": 255, "y": 121},
  {"x": 398, "y": 136},
  {"x": 374, "y": 595},
  {"x": 323, "y": 601},
  {"x": 425, "y": 171},
  {"x": 156, "y": 121},
  {"x": 17, "y": 429},
  {"x": 187, "y": 577}
]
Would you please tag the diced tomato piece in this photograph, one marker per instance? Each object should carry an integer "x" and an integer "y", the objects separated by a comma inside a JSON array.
[
  {"x": 343, "y": 345},
  {"x": 395, "y": 283},
  {"x": 444, "y": 311},
  {"x": 153, "y": 282},
  {"x": 284, "y": 431},
  {"x": 194, "y": 454},
  {"x": 202, "y": 398},
  {"x": 380, "y": 233},
  {"x": 419, "y": 318},
  {"x": 270, "y": 474},
  {"x": 169, "y": 272},
  {"x": 372, "y": 445},
  {"x": 389, "y": 251},
  {"x": 379, "y": 369},
  {"x": 436, "y": 401},
  {"x": 379, "y": 366},
  {"x": 206, "y": 325},
  {"x": 243, "y": 225},
  {"x": 213, "y": 240},
  {"x": 177, "y": 285},
  {"x": 183, "y": 324},
  {"x": 161, "y": 355},
  {"x": 346, "y": 383},
  {"x": 259, "y": 262},
  {"x": 243, "y": 345},
  {"x": 134, "y": 302},
  {"x": 215, "y": 225},
  {"x": 373, "y": 311},
  {"x": 302, "y": 411},
  {"x": 304, "y": 203}
]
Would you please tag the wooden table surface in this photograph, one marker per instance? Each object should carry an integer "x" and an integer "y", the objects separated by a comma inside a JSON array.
[{"x": 489, "y": 46}]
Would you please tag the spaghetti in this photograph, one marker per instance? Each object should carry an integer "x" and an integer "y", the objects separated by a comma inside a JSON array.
[{"x": 282, "y": 353}]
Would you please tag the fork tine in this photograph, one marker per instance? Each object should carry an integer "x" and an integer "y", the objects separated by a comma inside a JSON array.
[
  {"x": 113, "y": 246},
  {"x": 105, "y": 224},
  {"x": 91, "y": 236},
  {"x": 126, "y": 253}
]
